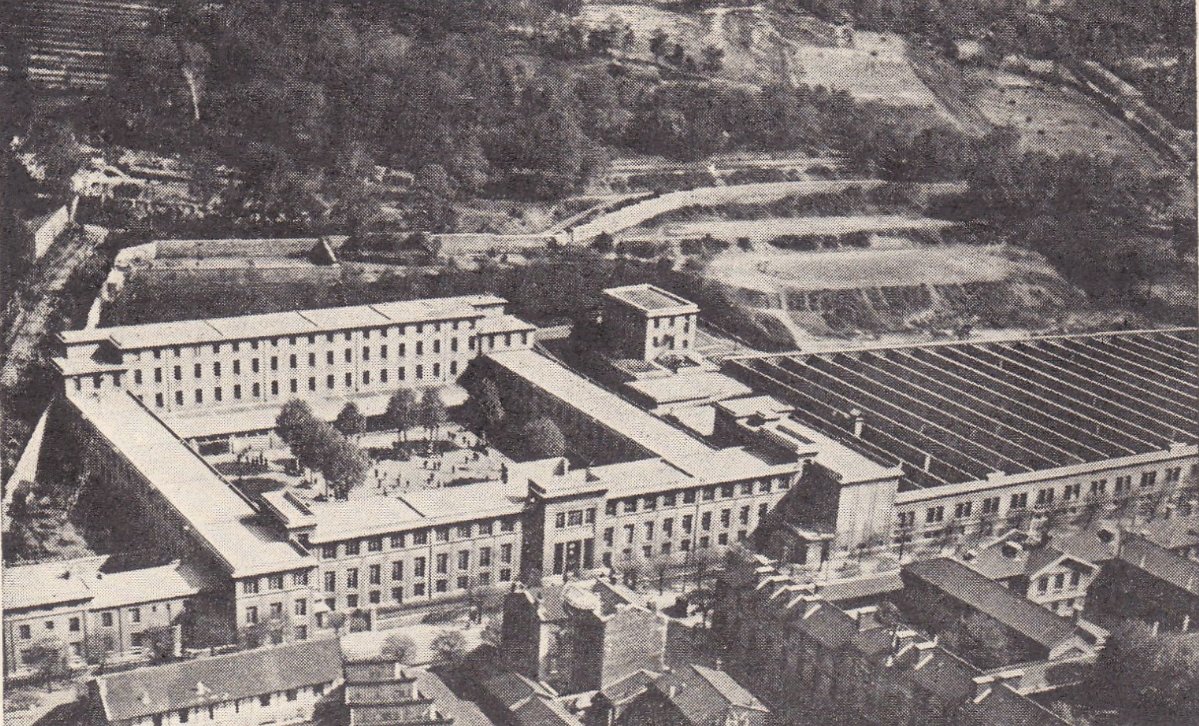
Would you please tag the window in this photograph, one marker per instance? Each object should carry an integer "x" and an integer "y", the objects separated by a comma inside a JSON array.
[
  {"x": 106, "y": 619},
  {"x": 575, "y": 518},
  {"x": 178, "y": 373},
  {"x": 687, "y": 520},
  {"x": 962, "y": 509},
  {"x": 251, "y": 615},
  {"x": 1148, "y": 478},
  {"x": 1098, "y": 487},
  {"x": 441, "y": 586},
  {"x": 443, "y": 563},
  {"x": 352, "y": 547},
  {"x": 397, "y": 594},
  {"x": 1173, "y": 474},
  {"x": 265, "y": 699},
  {"x": 669, "y": 500},
  {"x": 276, "y": 609},
  {"x": 442, "y": 534},
  {"x": 330, "y": 581},
  {"x": 418, "y": 590},
  {"x": 484, "y": 557},
  {"x": 1123, "y": 483},
  {"x": 352, "y": 601},
  {"x": 256, "y": 390},
  {"x": 689, "y": 496},
  {"x": 1043, "y": 585},
  {"x": 610, "y": 508},
  {"x": 506, "y": 554},
  {"x": 464, "y": 531},
  {"x": 299, "y": 578},
  {"x": 73, "y": 625},
  {"x": 709, "y": 493},
  {"x": 934, "y": 515},
  {"x": 508, "y": 525},
  {"x": 397, "y": 570},
  {"x": 27, "y": 633},
  {"x": 630, "y": 505},
  {"x": 352, "y": 578},
  {"x": 505, "y": 575},
  {"x": 1019, "y": 501},
  {"x": 649, "y": 530},
  {"x": 727, "y": 491},
  {"x": 374, "y": 544},
  {"x": 990, "y": 505},
  {"x": 184, "y": 715},
  {"x": 651, "y": 503},
  {"x": 418, "y": 567},
  {"x": 726, "y": 516},
  {"x": 485, "y": 528},
  {"x": 420, "y": 537},
  {"x": 705, "y": 520},
  {"x": 329, "y": 551},
  {"x": 301, "y": 607},
  {"x": 249, "y": 587},
  {"x": 1072, "y": 492},
  {"x": 1044, "y": 497},
  {"x": 179, "y": 398},
  {"x": 907, "y": 520},
  {"x": 375, "y": 575},
  {"x": 274, "y": 582}
]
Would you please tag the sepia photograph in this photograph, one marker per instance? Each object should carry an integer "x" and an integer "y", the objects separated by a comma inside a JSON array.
[{"x": 599, "y": 363}]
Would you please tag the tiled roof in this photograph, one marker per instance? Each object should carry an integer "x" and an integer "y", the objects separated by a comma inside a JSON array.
[
  {"x": 544, "y": 712},
  {"x": 246, "y": 674},
  {"x": 1159, "y": 562},
  {"x": 626, "y": 689},
  {"x": 971, "y": 588},
  {"x": 447, "y": 703},
  {"x": 50, "y": 583},
  {"x": 704, "y": 695},
  {"x": 95, "y": 581},
  {"x": 512, "y": 689},
  {"x": 1014, "y": 406}
]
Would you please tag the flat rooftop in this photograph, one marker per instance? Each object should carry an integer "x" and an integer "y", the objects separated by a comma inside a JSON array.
[
  {"x": 651, "y": 299},
  {"x": 96, "y": 581},
  {"x": 950, "y": 413},
  {"x": 301, "y": 322},
  {"x": 212, "y": 507}
]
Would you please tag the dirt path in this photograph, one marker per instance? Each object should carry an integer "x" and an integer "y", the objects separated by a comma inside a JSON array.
[{"x": 21, "y": 340}]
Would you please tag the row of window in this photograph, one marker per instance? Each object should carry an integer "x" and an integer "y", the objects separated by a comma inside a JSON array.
[
  {"x": 670, "y": 321},
  {"x": 1043, "y": 497},
  {"x": 329, "y": 338},
  {"x": 265, "y": 700},
  {"x": 75, "y": 625},
  {"x": 421, "y": 589},
  {"x": 650, "y": 502},
  {"x": 275, "y": 611},
  {"x": 273, "y": 582},
  {"x": 419, "y": 537},
  {"x": 330, "y": 384},
  {"x": 685, "y": 524},
  {"x": 1058, "y": 580},
  {"x": 667, "y": 548},
  {"x": 441, "y": 565}
]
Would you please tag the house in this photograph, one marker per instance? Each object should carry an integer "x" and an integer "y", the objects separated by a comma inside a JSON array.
[
  {"x": 384, "y": 692},
  {"x": 695, "y": 696},
  {"x": 814, "y": 662},
  {"x": 582, "y": 635},
  {"x": 1041, "y": 572},
  {"x": 1147, "y": 582},
  {"x": 609, "y": 704},
  {"x": 990, "y": 625},
  {"x": 276, "y": 684}
]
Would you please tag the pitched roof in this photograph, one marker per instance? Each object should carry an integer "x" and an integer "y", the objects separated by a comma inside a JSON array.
[
  {"x": 447, "y": 703},
  {"x": 544, "y": 712},
  {"x": 971, "y": 588},
  {"x": 626, "y": 689},
  {"x": 512, "y": 689},
  {"x": 50, "y": 583},
  {"x": 1160, "y": 563},
  {"x": 246, "y": 674},
  {"x": 704, "y": 695}
]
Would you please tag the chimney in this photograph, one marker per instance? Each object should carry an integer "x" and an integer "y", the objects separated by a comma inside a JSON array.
[
  {"x": 859, "y": 422},
  {"x": 866, "y": 617},
  {"x": 928, "y": 463},
  {"x": 983, "y": 685}
]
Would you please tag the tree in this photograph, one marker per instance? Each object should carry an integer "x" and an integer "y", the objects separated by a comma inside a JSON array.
[
  {"x": 401, "y": 411},
  {"x": 493, "y": 633},
  {"x": 713, "y": 58},
  {"x": 293, "y": 417},
  {"x": 48, "y": 659},
  {"x": 1149, "y": 674},
  {"x": 657, "y": 42},
  {"x": 489, "y": 409},
  {"x": 543, "y": 439},
  {"x": 344, "y": 465},
  {"x": 603, "y": 243},
  {"x": 449, "y": 646},
  {"x": 350, "y": 422},
  {"x": 400, "y": 647},
  {"x": 431, "y": 413}
]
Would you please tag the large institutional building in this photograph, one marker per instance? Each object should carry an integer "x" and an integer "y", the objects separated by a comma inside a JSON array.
[{"x": 869, "y": 449}]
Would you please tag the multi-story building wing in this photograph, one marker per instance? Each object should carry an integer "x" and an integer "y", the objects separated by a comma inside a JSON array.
[
  {"x": 253, "y": 364},
  {"x": 409, "y": 548},
  {"x": 644, "y": 321}
]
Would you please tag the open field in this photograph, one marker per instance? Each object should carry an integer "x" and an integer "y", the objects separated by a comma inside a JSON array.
[
  {"x": 760, "y": 230},
  {"x": 776, "y": 270}
]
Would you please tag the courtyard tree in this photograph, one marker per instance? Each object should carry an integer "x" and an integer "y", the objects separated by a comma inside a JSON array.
[
  {"x": 401, "y": 412},
  {"x": 294, "y": 416},
  {"x": 449, "y": 647},
  {"x": 344, "y": 465},
  {"x": 431, "y": 413},
  {"x": 350, "y": 422},
  {"x": 1152, "y": 675},
  {"x": 543, "y": 439},
  {"x": 488, "y": 408},
  {"x": 400, "y": 647}
]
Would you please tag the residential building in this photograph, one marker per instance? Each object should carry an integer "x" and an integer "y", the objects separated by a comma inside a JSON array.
[
  {"x": 382, "y": 692},
  {"x": 695, "y": 695},
  {"x": 992, "y": 626},
  {"x": 276, "y": 684},
  {"x": 805, "y": 659},
  {"x": 100, "y": 611},
  {"x": 1044, "y": 574},
  {"x": 512, "y": 699},
  {"x": 1147, "y": 582},
  {"x": 582, "y": 635},
  {"x": 994, "y": 435}
]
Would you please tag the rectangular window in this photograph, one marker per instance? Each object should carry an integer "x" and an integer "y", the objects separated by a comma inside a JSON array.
[
  {"x": 330, "y": 581},
  {"x": 418, "y": 567},
  {"x": 353, "y": 547},
  {"x": 1019, "y": 501},
  {"x": 443, "y": 563},
  {"x": 962, "y": 509},
  {"x": 1148, "y": 478},
  {"x": 464, "y": 560},
  {"x": 506, "y": 554},
  {"x": 274, "y": 582},
  {"x": 352, "y": 578},
  {"x": 375, "y": 575},
  {"x": 397, "y": 570}
]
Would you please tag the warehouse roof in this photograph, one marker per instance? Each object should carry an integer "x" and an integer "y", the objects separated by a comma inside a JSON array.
[
  {"x": 952, "y": 413},
  {"x": 1160, "y": 563}
]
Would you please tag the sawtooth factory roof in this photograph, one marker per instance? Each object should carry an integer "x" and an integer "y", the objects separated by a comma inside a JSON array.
[{"x": 956, "y": 412}]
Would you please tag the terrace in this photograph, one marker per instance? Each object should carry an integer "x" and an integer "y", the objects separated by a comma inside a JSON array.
[{"x": 958, "y": 412}]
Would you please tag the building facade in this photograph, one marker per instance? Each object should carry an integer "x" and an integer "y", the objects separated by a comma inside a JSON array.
[
  {"x": 644, "y": 321},
  {"x": 356, "y": 352}
]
